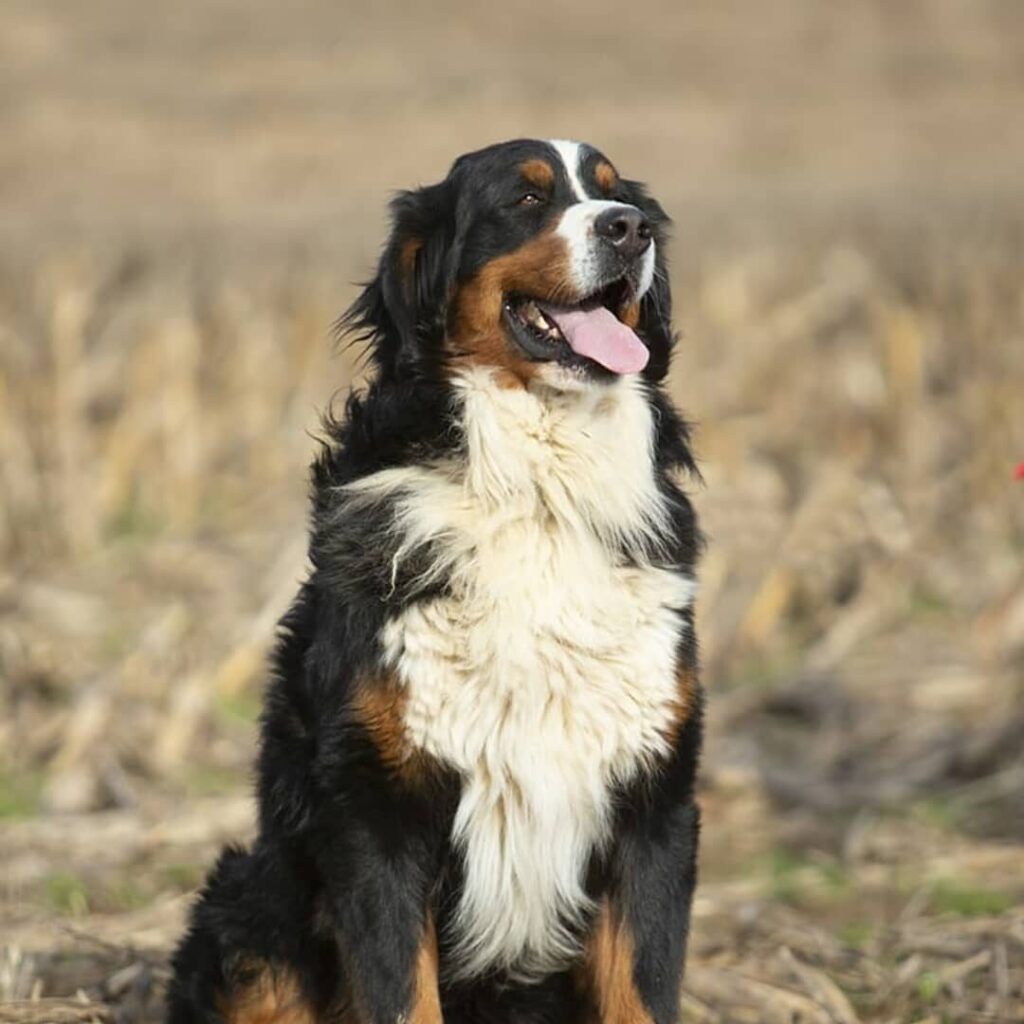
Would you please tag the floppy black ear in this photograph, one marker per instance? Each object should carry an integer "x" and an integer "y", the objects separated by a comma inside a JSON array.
[
  {"x": 655, "y": 325},
  {"x": 402, "y": 312}
]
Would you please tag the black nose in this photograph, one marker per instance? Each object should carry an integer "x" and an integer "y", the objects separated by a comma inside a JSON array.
[{"x": 626, "y": 228}]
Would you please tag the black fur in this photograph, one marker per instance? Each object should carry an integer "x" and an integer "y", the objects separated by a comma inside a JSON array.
[{"x": 350, "y": 860}]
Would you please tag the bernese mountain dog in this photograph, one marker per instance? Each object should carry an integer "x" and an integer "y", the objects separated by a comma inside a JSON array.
[{"x": 478, "y": 746}]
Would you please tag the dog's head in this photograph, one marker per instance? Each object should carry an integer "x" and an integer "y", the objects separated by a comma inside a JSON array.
[{"x": 533, "y": 258}]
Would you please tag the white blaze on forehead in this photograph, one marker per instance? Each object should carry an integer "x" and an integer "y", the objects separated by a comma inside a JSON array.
[{"x": 569, "y": 153}]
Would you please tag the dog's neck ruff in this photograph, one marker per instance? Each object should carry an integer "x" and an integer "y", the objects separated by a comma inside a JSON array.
[{"x": 545, "y": 672}]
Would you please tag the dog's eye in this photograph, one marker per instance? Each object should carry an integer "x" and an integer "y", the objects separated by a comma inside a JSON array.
[{"x": 531, "y": 199}]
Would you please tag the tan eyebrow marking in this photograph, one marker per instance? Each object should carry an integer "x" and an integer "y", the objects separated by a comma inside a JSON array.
[
  {"x": 538, "y": 172},
  {"x": 606, "y": 176}
]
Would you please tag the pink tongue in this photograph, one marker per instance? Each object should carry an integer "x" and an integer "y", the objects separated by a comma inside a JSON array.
[{"x": 598, "y": 335}]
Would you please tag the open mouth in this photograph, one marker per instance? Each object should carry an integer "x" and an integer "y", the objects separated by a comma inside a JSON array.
[{"x": 585, "y": 336}]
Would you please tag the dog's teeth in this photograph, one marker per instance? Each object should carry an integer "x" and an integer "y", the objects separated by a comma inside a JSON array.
[
  {"x": 535, "y": 317},
  {"x": 539, "y": 321},
  {"x": 546, "y": 326}
]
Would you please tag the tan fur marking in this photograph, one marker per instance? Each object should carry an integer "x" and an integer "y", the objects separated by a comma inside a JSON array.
[
  {"x": 426, "y": 1003},
  {"x": 538, "y": 172},
  {"x": 265, "y": 995},
  {"x": 380, "y": 705},
  {"x": 686, "y": 680},
  {"x": 539, "y": 268},
  {"x": 630, "y": 315},
  {"x": 608, "y": 972},
  {"x": 686, "y": 695},
  {"x": 407, "y": 253},
  {"x": 606, "y": 177}
]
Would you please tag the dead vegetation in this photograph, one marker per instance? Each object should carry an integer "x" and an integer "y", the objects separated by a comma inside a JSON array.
[{"x": 853, "y": 359}]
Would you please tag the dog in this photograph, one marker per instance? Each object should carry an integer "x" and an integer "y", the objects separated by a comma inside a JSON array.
[{"x": 479, "y": 744}]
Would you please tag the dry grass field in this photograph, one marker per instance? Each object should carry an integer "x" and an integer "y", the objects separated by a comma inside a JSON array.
[{"x": 186, "y": 196}]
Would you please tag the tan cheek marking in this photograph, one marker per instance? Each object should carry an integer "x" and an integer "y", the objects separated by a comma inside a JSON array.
[
  {"x": 608, "y": 972},
  {"x": 606, "y": 177},
  {"x": 266, "y": 996},
  {"x": 538, "y": 172},
  {"x": 540, "y": 267},
  {"x": 630, "y": 316},
  {"x": 426, "y": 1005}
]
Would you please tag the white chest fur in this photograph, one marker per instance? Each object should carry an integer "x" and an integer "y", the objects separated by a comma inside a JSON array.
[{"x": 547, "y": 671}]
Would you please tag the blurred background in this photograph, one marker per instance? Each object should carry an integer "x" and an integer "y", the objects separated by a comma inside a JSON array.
[{"x": 187, "y": 194}]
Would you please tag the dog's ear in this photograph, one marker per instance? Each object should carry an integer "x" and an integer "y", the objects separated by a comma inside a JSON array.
[
  {"x": 403, "y": 311},
  {"x": 655, "y": 325}
]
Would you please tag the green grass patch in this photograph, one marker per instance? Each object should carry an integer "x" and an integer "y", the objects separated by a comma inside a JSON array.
[
  {"x": 964, "y": 900},
  {"x": 856, "y": 934},
  {"x": 183, "y": 877},
  {"x": 67, "y": 894},
  {"x": 762, "y": 670},
  {"x": 799, "y": 880},
  {"x": 939, "y": 812},
  {"x": 124, "y": 895},
  {"x": 133, "y": 519},
  {"x": 119, "y": 641},
  {"x": 926, "y": 602},
  {"x": 928, "y": 987},
  {"x": 241, "y": 707},
  {"x": 20, "y": 794},
  {"x": 207, "y": 780}
]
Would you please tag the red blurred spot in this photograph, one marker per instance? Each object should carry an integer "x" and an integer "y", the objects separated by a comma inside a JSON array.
[{"x": 1019, "y": 475}]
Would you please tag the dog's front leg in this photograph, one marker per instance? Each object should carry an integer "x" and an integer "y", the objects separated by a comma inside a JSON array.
[
  {"x": 379, "y": 864},
  {"x": 379, "y": 843},
  {"x": 635, "y": 952}
]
